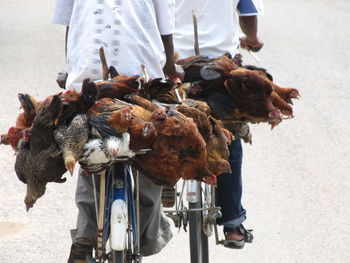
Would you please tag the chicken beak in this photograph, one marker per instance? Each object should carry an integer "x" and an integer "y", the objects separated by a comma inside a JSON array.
[
  {"x": 28, "y": 206},
  {"x": 210, "y": 180},
  {"x": 3, "y": 138},
  {"x": 71, "y": 170}
]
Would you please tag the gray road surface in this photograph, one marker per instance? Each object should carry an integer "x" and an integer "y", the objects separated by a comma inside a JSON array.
[{"x": 296, "y": 177}]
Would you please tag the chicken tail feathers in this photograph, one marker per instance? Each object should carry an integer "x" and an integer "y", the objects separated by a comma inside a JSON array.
[
  {"x": 89, "y": 93},
  {"x": 26, "y": 103},
  {"x": 99, "y": 122}
]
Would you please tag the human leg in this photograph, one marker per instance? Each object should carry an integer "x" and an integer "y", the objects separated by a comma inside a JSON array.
[
  {"x": 155, "y": 230},
  {"x": 229, "y": 195},
  {"x": 84, "y": 235}
]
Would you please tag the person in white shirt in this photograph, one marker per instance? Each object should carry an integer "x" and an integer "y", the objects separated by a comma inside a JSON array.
[
  {"x": 132, "y": 32},
  {"x": 219, "y": 26}
]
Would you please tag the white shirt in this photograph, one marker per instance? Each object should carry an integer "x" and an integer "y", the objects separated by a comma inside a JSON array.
[
  {"x": 218, "y": 26},
  {"x": 129, "y": 30}
]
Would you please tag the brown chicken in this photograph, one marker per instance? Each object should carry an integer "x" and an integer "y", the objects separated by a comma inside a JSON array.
[
  {"x": 110, "y": 118},
  {"x": 142, "y": 134},
  {"x": 251, "y": 95},
  {"x": 216, "y": 140},
  {"x": 286, "y": 94},
  {"x": 160, "y": 90},
  {"x": 280, "y": 104},
  {"x": 205, "y": 74},
  {"x": 178, "y": 152},
  {"x": 39, "y": 161},
  {"x": 13, "y": 136},
  {"x": 118, "y": 87},
  {"x": 144, "y": 103}
]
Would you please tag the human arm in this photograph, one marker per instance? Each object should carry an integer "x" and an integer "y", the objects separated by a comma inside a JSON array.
[
  {"x": 163, "y": 11},
  {"x": 170, "y": 70},
  {"x": 248, "y": 20},
  {"x": 61, "y": 15},
  {"x": 249, "y": 26}
]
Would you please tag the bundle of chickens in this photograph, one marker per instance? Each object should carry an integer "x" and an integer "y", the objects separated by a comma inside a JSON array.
[{"x": 167, "y": 131}]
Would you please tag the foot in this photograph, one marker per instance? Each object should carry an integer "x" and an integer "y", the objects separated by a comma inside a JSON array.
[
  {"x": 78, "y": 253},
  {"x": 236, "y": 237}
]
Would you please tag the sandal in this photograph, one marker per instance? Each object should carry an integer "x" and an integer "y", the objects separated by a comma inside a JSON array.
[
  {"x": 238, "y": 244},
  {"x": 79, "y": 252}
]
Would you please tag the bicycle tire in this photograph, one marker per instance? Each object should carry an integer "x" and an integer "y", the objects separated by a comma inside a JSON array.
[
  {"x": 119, "y": 256},
  {"x": 199, "y": 248}
]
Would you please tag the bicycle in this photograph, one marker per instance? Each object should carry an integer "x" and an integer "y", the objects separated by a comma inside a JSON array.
[
  {"x": 118, "y": 216},
  {"x": 200, "y": 216}
]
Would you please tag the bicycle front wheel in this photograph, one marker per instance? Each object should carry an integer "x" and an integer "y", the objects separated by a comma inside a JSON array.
[
  {"x": 198, "y": 239},
  {"x": 119, "y": 257}
]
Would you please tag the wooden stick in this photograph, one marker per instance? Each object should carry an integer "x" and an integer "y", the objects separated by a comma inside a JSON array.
[
  {"x": 101, "y": 214},
  {"x": 145, "y": 73},
  {"x": 104, "y": 64},
  {"x": 195, "y": 28}
]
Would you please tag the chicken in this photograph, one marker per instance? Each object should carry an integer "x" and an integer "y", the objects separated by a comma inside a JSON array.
[
  {"x": 13, "y": 136},
  {"x": 144, "y": 103},
  {"x": 123, "y": 146},
  {"x": 24, "y": 121},
  {"x": 286, "y": 94},
  {"x": 142, "y": 134},
  {"x": 71, "y": 139},
  {"x": 160, "y": 90},
  {"x": 110, "y": 118},
  {"x": 178, "y": 151},
  {"x": 251, "y": 95},
  {"x": 205, "y": 74},
  {"x": 83, "y": 101},
  {"x": 100, "y": 153},
  {"x": 30, "y": 108},
  {"x": 75, "y": 103},
  {"x": 198, "y": 104},
  {"x": 97, "y": 155},
  {"x": 118, "y": 87},
  {"x": 216, "y": 140},
  {"x": 282, "y": 105},
  {"x": 39, "y": 161}
]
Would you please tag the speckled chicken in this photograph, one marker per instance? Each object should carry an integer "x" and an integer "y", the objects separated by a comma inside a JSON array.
[{"x": 71, "y": 139}]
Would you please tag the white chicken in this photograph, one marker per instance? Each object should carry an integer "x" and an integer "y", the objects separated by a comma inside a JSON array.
[{"x": 100, "y": 153}]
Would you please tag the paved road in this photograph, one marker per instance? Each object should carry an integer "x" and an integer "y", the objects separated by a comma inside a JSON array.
[{"x": 296, "y": 176}]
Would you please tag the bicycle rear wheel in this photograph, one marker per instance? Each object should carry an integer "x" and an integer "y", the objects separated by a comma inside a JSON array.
[{"x": 199, "y": 249}]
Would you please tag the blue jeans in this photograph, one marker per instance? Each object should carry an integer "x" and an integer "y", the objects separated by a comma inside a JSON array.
[{"x": 229, "y": 189}]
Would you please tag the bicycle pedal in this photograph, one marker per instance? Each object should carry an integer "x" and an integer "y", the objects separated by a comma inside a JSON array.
[{"x": 168, "y": 196}]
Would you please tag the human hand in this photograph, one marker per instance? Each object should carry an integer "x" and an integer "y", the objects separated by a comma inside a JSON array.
[
  {"x": 251, "y": 44},
  {"x": 61, "y": 79},
  {"x": 174, "y": 72}
]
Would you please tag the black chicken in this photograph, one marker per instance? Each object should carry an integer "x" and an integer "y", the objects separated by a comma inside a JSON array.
[{"x": 40, "y": 161}]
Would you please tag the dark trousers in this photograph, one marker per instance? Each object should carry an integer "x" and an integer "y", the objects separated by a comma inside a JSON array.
[{"x": 229, "y": 190}]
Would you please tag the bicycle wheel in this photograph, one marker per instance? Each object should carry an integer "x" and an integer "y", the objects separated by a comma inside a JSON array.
[
  {"x": 119, "y": 256},
  {"x": 199, "y": 249}
]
